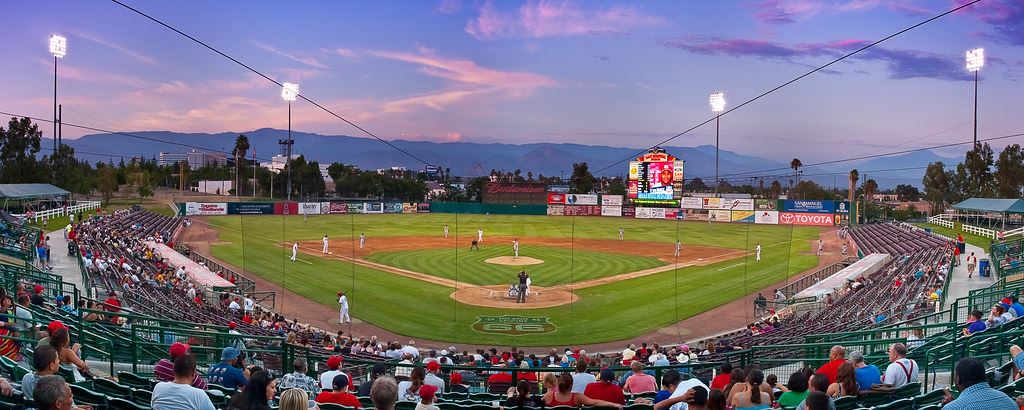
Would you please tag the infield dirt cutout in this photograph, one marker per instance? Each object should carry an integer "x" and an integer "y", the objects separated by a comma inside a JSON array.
[
  {"x": 512, "y": 261},
  {"x": 496, "y": 296}
]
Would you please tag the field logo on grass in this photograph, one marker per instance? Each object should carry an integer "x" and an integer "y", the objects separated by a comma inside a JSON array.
[{"x": 513, "y": 325}]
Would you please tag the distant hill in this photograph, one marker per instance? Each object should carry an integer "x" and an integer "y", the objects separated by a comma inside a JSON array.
[{"x": 468, "y": 158}]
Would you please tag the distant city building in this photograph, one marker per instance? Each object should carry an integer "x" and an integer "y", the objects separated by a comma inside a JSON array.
[
  {"x": 196, "y": 159},
  {"x": 394, "y": 172},
  {"x": 434, "y": 189},
  {"x": 323, "y": 172},
  {"x": 214, "y": 187},
  {"x": 171, "y": 158},
  {"x": 277, "y": 162}
]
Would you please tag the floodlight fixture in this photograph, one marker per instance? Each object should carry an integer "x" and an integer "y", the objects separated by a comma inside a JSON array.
[
  {"x": 58, "y": 46},
  {"x": 289, "y": 91},
  {"x": 975, "y": 59},
  {"x": 717, "y": 102}
]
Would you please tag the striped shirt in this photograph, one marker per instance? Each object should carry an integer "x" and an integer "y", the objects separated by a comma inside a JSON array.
[
  {"x": 164, "y": 371},
  {"x": 981, "y": 396}
]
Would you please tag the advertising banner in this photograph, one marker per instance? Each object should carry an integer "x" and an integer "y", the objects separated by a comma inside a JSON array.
[
  {"x": 674, "y": 214},
  {"x": 556, "y": 210},
  {"x": 764, "y": 204},
  {"x": 309, "y": 208},
  {"x": 634, "y": 170},
  {"x": 696, "y": 214},
  {"x": 339, "y": 208},
  {"x": 842, "y": 219},
  {"x": 423, "y": 208},
  {"x": 742, "y": 216},
  {"x": 515, "y": 193},
  {"x": 206, "y": 208},
  {"x": 629, "y": 211},
  {"x": 711, "y": 203},
  {"x": 581, "y": 199},
  {"x": 691, "y": 203},
  {"x": 286, "y": 208},
  {"x": 409, "y": 208},
  {"x": 250, "y": 208},
  {"x": 373, "y": 207},
  {"x": 325, "y": 208},
  {"x": 843, "y": 207},
  {"x": 817, "y": 207},
  {"x": 392, "y": 207},
  {"x": 650, "y": 213},
  {"x": 582, "y": 210},
  {"x": 766, "y": 217},
  {"x": 555, "y": 198},
  {"x": 792, "y": 218},
  {"x": 740, "y": 204},
  {"x": 615, "y": 200},
  {"x": 355, "y": 207},
  {"x": 717, "y": 215},
  {"x": 611, "y": 210}
]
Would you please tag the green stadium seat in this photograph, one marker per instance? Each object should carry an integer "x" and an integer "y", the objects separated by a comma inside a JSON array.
[
  {"x": 405, "y": 405},
  {"x": 122, "y": 404},
  {"x": 637, "y": 406},
  {"x": 332, "y": 406},
  {"x": 366, "y": 402},
  {"x": 142, "y": 396},
  {"x": 932, "y": 397},
  {"x": 1009, "y": 390},
  {"x": 86, "y": 396},
  {"x": 134, "y": 381},
  {"x": 901, "y": 404},
  {"x": 14, "y": 401},
  {"x": 67, "y": 374},
  {"x": 111, "y": 388},
  {"x": 908, "y": 390},
  {"x": 218, "y": 398},
  {"x": 226, "y": 391},
  {"x": 930, "y": 407},
  {"x": 20, "y": 372},
  {"x": 847, "y": 403}
]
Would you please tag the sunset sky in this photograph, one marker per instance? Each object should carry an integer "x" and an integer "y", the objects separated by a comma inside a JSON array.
[{"x": 592, "y": 72}]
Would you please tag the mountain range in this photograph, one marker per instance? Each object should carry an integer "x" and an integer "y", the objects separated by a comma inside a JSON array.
[{"x": 477, "y": 159}]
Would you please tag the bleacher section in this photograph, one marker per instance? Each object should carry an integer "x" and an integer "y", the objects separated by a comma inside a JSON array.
[{"x": 892, "y": 239}]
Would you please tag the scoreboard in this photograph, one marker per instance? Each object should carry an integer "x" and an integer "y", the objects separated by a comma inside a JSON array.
[{"x": 656, "y": 178}]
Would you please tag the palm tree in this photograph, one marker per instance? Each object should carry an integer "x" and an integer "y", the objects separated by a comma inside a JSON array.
[
  {"x": 241, "y": 148},
  {"x": 795, "y": 164},
  {"x": 870, "y": 188},
  {"x": 854, "y": 176}
]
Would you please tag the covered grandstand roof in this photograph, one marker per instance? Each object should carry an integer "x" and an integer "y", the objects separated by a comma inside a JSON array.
[
  {"x": 27, "y": 191},
  {"x": 1014, "y": 206}
]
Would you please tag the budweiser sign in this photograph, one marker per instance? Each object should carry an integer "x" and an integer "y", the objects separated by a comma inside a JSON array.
[
  {"x": 500, "y": 188},
  {"x": 791, "y": 218}
]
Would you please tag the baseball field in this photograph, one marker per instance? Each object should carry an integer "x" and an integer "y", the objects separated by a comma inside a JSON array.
[{"x": 588, "y": 286}]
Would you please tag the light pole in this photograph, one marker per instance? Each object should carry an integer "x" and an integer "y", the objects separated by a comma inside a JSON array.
[
  {"x": 717, "y": 101},
  {"x": 59, "y": 48},
  {"x": 289, "y": 91},
  {"x": 975, "y": 60}
]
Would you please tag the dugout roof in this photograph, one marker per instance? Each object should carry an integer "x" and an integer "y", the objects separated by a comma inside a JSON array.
[
  {"x": 30, "y": 191},
  {"x": 1012, "y": 206}
]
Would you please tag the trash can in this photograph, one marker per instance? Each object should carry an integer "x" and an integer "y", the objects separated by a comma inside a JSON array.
[{"x": 983, "y": 267}]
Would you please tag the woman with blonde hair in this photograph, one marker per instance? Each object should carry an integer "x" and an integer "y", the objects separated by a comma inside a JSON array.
[{"x": 295, "y": 399}]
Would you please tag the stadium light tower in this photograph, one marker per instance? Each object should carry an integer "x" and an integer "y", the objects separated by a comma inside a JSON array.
[
  {"x": 717, "y": 101},
  {"x": 289, "y": 91},
  {"x": 975, "y": 60},
  {"x": 59, "y": 48}
]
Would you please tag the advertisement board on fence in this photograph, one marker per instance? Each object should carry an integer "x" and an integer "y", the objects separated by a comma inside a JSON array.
[
  {"x": 355, "y": 207},
  {"x": 206, "y": 208},
  {"x": 793, "y": 218},
  {"x": 800, "y": 206},
  {"x": 392, "y": 207},
  {"x": 582, "y": 210},
  {"x": 250, "y": 208},
  {"x": 843, "y": 207},
  {"x": 691, "y": 203},
  {"x": 611, "y": 210},
  {"x": 711, "y": 203},
  {"x": 742, "y": 216},
  {"x": 581, "y": 199},
  {"x": 650, "y": 213},
  {"x": 717, "y": 215},
  {"x": 325, "y": 208},
  {"x": 286, "y": 208},
  {"x": 696, "y": 214},
  {"x": 766, "y": 217},
  {"x": 674, "y": 214},
  {"x": 764, "y": 204},
  {"x": 613, "y": 200},
  {"x": 556, "y": 210},
  {"x": 629, "y": 211},
  {"x": 309, "y": 208},
  {"x": 738, "y": 204},
  {"x": 423, "y": 208},
  {"x": 339, "y": 208},
  {"x": 409, "y": 208},
  {"x": 556, "y": 198},
  {"x": 373, "y": 207}
]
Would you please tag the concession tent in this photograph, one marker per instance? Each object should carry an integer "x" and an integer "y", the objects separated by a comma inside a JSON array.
[
  {"x": 992, "y": 210},
  {"x": 25, "y": 196}
]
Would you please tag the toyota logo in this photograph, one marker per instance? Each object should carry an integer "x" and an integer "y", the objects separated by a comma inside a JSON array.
[{"x": 786, "y": 218}]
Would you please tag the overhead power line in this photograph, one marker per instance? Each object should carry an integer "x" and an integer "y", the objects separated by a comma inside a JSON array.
[
  {"x": 798, "y": 78},
  {"x": 268, "y": 78}
]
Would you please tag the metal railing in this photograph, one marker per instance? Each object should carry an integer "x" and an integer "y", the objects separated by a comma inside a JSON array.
[{"x": 812, "y": 278}]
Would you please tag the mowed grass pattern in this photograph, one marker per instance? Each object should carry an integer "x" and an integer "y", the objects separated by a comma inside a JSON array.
[
  {"x": 560, "y": 266},
  {"x": 417, "y": 309}
]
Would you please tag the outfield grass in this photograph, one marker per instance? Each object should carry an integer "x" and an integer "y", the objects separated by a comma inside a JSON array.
[{"x": 608, "y": 312}]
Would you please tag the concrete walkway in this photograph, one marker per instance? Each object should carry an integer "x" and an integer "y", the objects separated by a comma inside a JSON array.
[
  {"x": 62, "y": 264},
  {"x": 960, "y": 284}
]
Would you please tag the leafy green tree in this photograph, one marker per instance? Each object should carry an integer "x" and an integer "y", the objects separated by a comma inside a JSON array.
[
  {"x": 852, "y": 191},
  {"x": 979, "y": 180},
  {"x": 775, "y": 190},
  {"x": 870, "y": 189},
  {"x": 581, "y": 181},
  {"x": 1009, "y": 175},
  {"x": 810, "y": 190},
  {"x": 907, "y": 192},
  {"x": 795, "y": 165},
  {"x": 106, "y": 181},
  {"x": 239, "y": 152},
  {"x": 695, "y": 185},
  {"x": 19, "y": 144},
  {"x": 616, "y": 186}
]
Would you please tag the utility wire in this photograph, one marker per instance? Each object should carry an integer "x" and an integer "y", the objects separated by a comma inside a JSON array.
[
  {"x": 257, "y": 72},
  {"x": 798, "y": 78}
]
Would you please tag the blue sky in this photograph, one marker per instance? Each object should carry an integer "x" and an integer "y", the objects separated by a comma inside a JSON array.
[{"x": 594, "y": 72}]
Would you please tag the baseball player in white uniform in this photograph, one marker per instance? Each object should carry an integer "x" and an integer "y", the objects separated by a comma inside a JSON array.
[
  {"x": 295, "y": 251},
  {"x": 343, "y": 312},
  {"x": 480, "y": 235},
  {"x": 758, "y": 251},
  {"x": 821, "y": 246},
  {"x": 325, "y": 244},
  {"x": 679, "y": 248},
  {"x": 362, "y": 240},
  {"x": 445, "y": 230},
  {"x": 515, "y": 248},
  {"x": 622, "y": 233},
  {"x": 529, "y": 281}
]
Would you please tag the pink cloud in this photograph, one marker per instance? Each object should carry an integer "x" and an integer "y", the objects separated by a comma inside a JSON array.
[
  {"x": 468, "y": 72},
  {"x": 786, "y": 11},
  {"x": 1006, "y": 17},
  {"x": 301, "y": 59},
  {"x": 907, "y": 7},
  {"x": 543, "y": 18},
  {"x": 122, "y": 49}
]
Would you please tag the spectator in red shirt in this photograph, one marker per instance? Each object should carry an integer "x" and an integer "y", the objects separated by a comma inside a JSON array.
[
  {"x": 113, "y": 305},
  {"x": 836, "y": 357},
  {"x": 340, "y": 394},
  {"x": 721, "y": 381},
  {"x": 164, "y": 369},
  {"x": 605, "y": 390}
]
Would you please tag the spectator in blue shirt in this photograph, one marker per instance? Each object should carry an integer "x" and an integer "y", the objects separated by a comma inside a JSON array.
[
  {"x": 867, "y": 375},
  {"x": 225, "y": 373},
  {"x": 669, "y": 382},
  {"x": 1017, "y": 307},
  {"x": 974, "y": 323},
  {"x": 975, "y": 393}
]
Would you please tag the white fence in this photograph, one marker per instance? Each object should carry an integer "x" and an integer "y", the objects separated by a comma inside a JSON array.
[
  {"x": 988, "y": 233},
  {"x": 58, "y": 212},
  {"x": 1013, "y": 232},
  {"x": 941, "y": 220}
]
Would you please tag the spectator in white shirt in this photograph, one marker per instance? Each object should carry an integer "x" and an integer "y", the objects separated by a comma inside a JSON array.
[{"x": 901, "y": 370}]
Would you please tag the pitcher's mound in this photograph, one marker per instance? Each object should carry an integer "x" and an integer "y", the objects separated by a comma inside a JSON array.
[
  {"x": 520, "y": 261},
  {"x": 496, "y": 296}
]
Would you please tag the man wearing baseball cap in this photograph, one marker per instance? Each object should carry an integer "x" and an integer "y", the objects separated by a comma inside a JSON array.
[
  {"x": 333, "y": 369},
  {"x": 428, "y": 394},
  {"x": 604, "y": 389},
  {"x": 433, "y": 369},
  {"x": 50, "y": 329},
  {"x": 164, "y": 369},
  {"x": 339, "y": 393},
  {"x": 225, "y": 373}
]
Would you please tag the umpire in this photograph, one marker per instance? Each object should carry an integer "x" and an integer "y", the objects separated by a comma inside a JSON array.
[{"x": 521, "y": 296}]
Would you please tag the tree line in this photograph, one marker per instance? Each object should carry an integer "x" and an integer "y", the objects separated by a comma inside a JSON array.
[{"x": 979, "y": 175}]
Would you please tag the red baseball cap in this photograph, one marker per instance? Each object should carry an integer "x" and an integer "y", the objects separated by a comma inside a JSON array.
[
  {"x": 334, "y": 362},
  {"x": 54, "y": 326},
  {"x": 433, "y": 366},
  {"x": 232, "y": 325},
  {"x": 178, "y": 349},
  {"x": 455, "y": 378},
  {"x": 38, "y": 289},
  {"x": 427, "y": 391}
]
